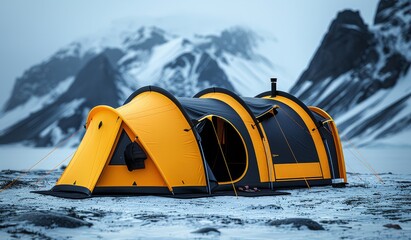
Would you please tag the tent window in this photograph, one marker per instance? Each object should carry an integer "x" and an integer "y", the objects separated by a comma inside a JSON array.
[
  {"x": 118, "y": 155},
  {"x": 221, "y": 142}
]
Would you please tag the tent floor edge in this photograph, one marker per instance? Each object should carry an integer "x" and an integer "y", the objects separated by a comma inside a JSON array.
[
  {"x": 293, "y": 184},
  {"x": 68, "y": 195},
  {"x": 67, "y": 191}
]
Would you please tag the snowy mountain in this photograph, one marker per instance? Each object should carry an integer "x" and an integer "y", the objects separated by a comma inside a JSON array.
[
  {"x": 361, "y": 75},
  {"x": 51, "y": 100}
]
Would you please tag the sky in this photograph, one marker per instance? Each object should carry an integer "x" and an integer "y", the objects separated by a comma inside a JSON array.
[{"x": 31, "y": 31}]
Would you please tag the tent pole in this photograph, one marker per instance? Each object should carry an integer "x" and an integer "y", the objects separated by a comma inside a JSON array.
[
  {"x": 268, "y": 164},
  {"x": 329, "y": 157},
  {"x": 205, "y": 167}
]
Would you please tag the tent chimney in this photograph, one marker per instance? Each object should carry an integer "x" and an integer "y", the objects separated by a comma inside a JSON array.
[{"x": 273, "y": 87}]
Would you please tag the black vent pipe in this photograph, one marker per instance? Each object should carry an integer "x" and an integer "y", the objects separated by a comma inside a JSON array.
[{"x": 273, "y": 87}]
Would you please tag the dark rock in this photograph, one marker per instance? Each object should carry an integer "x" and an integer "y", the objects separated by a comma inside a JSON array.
[
  {"x": 270, "y": 206},
  {"x": 13, "y": 184},
  {"x": 393, "y": 226},
  {"x": 207, "y": 230},
  {"x": 52, "y": 220},
  {"x": 336, "y": 221},
  {"x": 347, "y": 31},
  {"x": 20, "y": 232},
  {"x": 297, "y": 223}
]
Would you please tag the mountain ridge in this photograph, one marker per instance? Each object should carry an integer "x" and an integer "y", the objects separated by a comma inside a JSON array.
[
  {"x": 147, "y": 56},
  {"x": 359, "y": 74}
]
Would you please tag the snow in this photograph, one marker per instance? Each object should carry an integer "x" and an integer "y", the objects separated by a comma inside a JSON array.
[
  {"x": 375, "y": 105},
  {"x": 149, "y": 71},
  {"x": 351, "y": 26},
  {"x": 364, "y": 206},
  {"x": 248, "y": 78}
]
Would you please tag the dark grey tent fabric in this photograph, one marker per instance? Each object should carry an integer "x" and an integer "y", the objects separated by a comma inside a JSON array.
[
  {"x": 259, "y": 106},
  {"x": 197, "y": 108},
  {"x": 289, "y": 138}
]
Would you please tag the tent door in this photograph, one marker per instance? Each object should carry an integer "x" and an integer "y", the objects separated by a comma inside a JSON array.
[{"x": 222, "y": 147}]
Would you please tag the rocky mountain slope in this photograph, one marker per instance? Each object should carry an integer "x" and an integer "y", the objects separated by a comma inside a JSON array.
[
  {"x": 51, "y": 99},
  {"x": 361, "y": 75}
]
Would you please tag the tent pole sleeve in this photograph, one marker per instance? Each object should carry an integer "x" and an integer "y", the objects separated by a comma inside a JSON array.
[{"x": 331, "y": 160}]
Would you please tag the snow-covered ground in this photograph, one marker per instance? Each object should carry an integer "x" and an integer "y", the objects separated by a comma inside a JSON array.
[{"x": 358, "y": 211}]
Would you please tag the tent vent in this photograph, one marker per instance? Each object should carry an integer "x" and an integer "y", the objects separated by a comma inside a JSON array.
[
  {"x": 134, "y": 183},
  {"x": 100, "y": 124},
  {"x": 273, "y": 87},
  {"x": 74, "y": 183}
]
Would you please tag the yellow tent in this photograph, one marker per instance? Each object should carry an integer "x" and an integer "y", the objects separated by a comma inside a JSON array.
[{"x": 215, "y": 142}]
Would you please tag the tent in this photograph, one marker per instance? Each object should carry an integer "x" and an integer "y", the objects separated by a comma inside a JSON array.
[{"x": 212, "y": 143}]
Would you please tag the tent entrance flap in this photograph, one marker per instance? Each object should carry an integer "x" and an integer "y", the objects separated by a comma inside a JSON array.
[
  {"x": 91, "y": 156},
  {"x": 220, "y": 143}
]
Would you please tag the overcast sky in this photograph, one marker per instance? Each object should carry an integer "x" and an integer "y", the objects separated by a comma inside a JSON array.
[{"x": 33, "y": 30}]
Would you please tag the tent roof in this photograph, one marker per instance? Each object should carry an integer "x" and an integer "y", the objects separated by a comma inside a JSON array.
[
  {"x": 198, "y": 108},
  {"x": 259, "y": 106}
]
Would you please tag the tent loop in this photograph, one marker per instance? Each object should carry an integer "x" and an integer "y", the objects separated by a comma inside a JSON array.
[
  {"x": 292, "y": 152},
  {"x": 222, "y": 153}
]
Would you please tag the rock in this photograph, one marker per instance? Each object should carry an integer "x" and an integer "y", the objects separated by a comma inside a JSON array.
[
  {"x": 207, "y": 230},
  {"x": 336, "y": 221},
  {"x": 52, "y": 220},
  {"x": 297, "y": 223},
  {"x": 394, "y": 226},
  {"x": 270, "y": 206}
]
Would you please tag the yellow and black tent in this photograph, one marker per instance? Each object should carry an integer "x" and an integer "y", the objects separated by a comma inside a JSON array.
[{"x": 213, "y": 143}]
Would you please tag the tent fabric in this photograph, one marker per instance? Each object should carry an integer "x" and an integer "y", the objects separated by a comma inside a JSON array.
[
  {"x": 259, "y": 106},
  {"x": 332, "y": 141},
  {"x": 258, "y": 168},
  {"x": 206, "y": 145}
]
